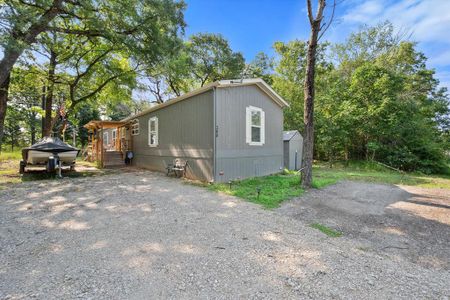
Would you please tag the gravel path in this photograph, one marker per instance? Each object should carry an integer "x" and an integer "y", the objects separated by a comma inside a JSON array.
[
  {"x": 402, "y": 222},
  {"x": 144, "y": 236}
]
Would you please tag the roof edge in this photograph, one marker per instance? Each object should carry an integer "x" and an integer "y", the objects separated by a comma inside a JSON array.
[
  {"x": 174, "y": 100},
  {"x": 261, "y": 84},
  {"x": 219, "y": 84}
]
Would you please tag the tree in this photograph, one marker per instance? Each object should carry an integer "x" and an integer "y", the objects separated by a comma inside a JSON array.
[
  {"x": 84, "y": 113},
  {"x": 202, "y": 59},
  {"x": 212, "y": 58},
  {"x": 317, "y": 31},
  {"x": 13, "y": 127},
  {"x": 22, "y": 22},
  {"x": 261, "y": 67},
  {"x": 375, "y": 100},
  {"x": 394, "y": 111},
  {"x": 4, "y": 88},
  {"x": 289, "y": 79},
  {"x": 146, "y": 28},
  {"x": 26, "y": 97},
  {"x": 173, "y": 76}
]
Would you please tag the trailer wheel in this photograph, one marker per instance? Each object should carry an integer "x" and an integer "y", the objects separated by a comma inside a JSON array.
[
  {"x": 51, "y": 164},
  {"x": 22, "y": 167}
]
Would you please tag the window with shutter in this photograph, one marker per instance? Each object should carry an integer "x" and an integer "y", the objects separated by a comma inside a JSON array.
[
  {"x": 153, "y": 132},
  {"x": 255, "y": 123}
]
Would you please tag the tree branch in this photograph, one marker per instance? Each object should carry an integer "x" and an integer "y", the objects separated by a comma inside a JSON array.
[
  {"x": 89, "y": 32},
  {"x": 323, "y": 30},
  {"x": 310, "y": 14},
  {"x": 97, "y": 90}
]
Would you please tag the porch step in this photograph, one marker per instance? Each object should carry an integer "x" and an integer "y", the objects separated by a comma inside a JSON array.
[
  {"x": 113, "y": 158},
  {"x": 113, "y": 164},
  {"x": 113, "y": 153}
]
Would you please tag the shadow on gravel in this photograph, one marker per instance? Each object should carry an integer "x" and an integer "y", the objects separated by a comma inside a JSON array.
[
  {"x": 105, "y": 236},
  {"x": 402, "y": 222},
  {"x": 142, "y": 235}
]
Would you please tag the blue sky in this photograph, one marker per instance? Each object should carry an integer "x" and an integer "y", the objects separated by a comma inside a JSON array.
[{"x": 252, "y": 26}]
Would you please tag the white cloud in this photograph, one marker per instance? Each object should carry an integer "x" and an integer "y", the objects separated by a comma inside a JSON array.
[
  {"x": 428, "y": 20},
  {"x": 444, "y": 78},
  {"x": 364, "y": 12},
  {"x": 441, "y": 59}
]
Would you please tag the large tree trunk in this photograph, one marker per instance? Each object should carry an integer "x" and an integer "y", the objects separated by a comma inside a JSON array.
[
  {"x": 21, "y": 40},
  {"x": 308, "y": 114},
  {"x": 3, "y": 105},
  {"x": 44, "y": 93},
  {"x": 33, "y": 120},
  {"x": 48, "y": 124}
]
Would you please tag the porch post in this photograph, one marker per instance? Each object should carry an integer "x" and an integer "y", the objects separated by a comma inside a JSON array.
[{"x": 101, "y": 145}]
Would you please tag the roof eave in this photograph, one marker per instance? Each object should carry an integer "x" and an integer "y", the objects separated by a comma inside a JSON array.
[
  {"x": 261, "y": 84},
  {"x": 219, "y": 84},
  {"x": 174, "y": 100}
]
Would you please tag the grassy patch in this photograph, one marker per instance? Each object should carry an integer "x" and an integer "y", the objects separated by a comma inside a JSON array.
[
  {"x": 327, "y": 230},
  {"x": 273, "y": 189},
  {"x": 8, "y": 155},
  {"x": 9, "y": 170},
  {"x": 319, "y": 183},
  {"x": 370, "y": 172},
  {"x": 277, "y": 188},
  {"x": 9, "y": 167}
]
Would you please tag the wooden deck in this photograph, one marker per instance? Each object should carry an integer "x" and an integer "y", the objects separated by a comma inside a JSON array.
[{"x": 111, "y": 154}]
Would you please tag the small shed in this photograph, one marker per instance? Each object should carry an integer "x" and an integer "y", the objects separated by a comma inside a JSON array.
[{"x": 293, "y": 149}]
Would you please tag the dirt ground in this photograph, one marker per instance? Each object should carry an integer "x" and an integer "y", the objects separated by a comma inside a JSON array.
[
  {"x": 142, "y": 235},
  {"x": 402, "y": 222}
]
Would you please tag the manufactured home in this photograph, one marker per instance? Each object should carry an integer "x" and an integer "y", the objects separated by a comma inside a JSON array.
[{"x": 226, "y": 130}]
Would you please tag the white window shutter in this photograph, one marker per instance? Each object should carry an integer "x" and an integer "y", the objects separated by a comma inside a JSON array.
[
  {"x": 263, "y": 127},
  {"x": 248, "y": 120},
  {"x": 150, "y": 131},
  {"x": 157, "y": 131}
]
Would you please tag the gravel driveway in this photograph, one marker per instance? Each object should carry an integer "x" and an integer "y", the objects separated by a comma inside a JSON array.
[
  {"x": 144, "y": 236},
  {"x": 402, "y": 222}
]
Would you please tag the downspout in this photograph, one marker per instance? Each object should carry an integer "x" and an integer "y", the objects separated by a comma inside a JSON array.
[{"x": 214, "y": 134}]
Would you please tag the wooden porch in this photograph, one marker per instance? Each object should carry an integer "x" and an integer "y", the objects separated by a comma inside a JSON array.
[{"x": 108, "y": 142}]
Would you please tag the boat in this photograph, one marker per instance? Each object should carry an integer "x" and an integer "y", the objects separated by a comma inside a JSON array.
[{"x": 50, "y": 152}]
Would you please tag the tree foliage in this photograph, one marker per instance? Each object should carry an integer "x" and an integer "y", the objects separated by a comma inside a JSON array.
[
  {"x": 90, "y": 44},
  {"x": 376, "y": 100},
  {"x": 202, "y": 59}
]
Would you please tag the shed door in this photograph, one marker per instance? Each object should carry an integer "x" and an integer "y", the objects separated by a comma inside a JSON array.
[{"x": 286, "y": 154}]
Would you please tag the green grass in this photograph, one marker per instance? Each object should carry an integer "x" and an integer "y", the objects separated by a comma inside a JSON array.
[
  {"x": 280, "y": 187},
  {"x": 9, "y": 167},
  {"x": 8, "y": 155},
  {"x": 9, "y": 170},
  {"x": 274, "y": 189},
  {"x": 371, "y": 172},
  {"x": 327, "y": 230}
]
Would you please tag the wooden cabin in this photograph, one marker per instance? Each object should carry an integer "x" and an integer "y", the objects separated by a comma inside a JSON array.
[{"x": 108, "y": 142}]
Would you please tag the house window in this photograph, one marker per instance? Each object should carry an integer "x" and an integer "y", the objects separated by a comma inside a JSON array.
[
  {"x": 255, "y": 123},
  {"x": 153, "y": 132},
  {"x": 135, "y": 127}
]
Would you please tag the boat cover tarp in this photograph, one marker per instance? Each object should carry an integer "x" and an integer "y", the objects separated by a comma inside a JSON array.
[{"x": 49, "y": 144}]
